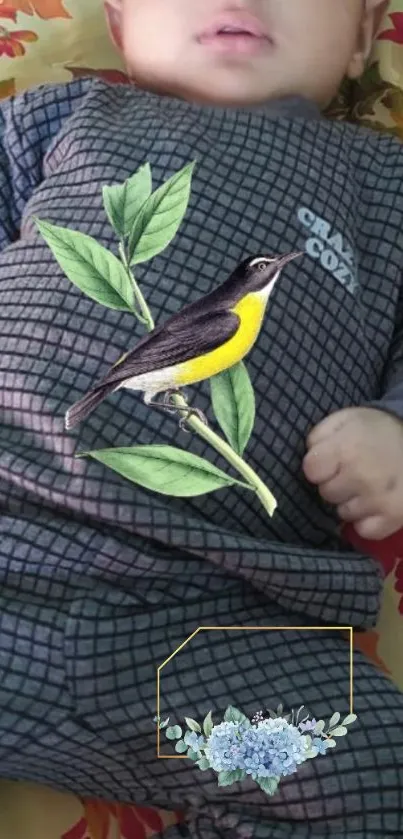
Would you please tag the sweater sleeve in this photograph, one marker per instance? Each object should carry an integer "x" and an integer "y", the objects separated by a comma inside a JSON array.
[
  {"x": 28, "y": 124},
  {"x": 9, "y": 215},
  {"x": 391, "y": 398}
]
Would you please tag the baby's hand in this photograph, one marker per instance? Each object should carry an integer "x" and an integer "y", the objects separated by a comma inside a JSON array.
[{"x": 355, "y": 457}]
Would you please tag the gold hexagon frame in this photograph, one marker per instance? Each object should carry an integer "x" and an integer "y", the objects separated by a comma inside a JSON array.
[{"x": 348, "y": 629}]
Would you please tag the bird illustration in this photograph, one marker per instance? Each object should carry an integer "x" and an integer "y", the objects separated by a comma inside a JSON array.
[{"x": 200, "y": 341}]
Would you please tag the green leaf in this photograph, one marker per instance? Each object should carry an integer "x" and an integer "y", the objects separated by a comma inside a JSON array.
[
  {"x": 181, "y": 747},
  {"x": 123, "y": 202},
  {"x": 268, "y": 785},
  {"x": 334, "y": 720},
  {"x": 174, "y": 732},
  {"x": 208, "y": 724},
  {"x": 164, "y": 469},
  {"x": 234, "y": 715},
  {"x": 311, "y": 754},
  {"x": 339, "y": 732},
  {"x": 298, "y": 718},
  {"x": 233, "y": 402},
  {"x": 203, "y": 764},
  {"x": 193, "y": 725},
  {"x": 331, "y": 744},
  {"x": 226, "y": 779},
  {"x": 92, "y": 268},
  {"x": 349, "y": 719},
  {"x": 161, "y": 724},
  {"x": 160, "y": 217},
  {"x": 193, "y": 755},
  {"x": 319, "y": 727}
]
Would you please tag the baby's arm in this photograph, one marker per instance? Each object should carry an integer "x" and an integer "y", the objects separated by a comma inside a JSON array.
[
  {"x": 355, "y": 456},
  {"x": 9, "y": 210},
  {"x": 28, "y": 125},
  {"x": 23, "y": 143}
]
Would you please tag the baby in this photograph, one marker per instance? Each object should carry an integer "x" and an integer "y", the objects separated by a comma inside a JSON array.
[
  {"x": 355, "y": 456},
  {"x": 101, "y": 581}
]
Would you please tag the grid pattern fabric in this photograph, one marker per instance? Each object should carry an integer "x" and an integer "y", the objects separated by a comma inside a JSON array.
[{"x": 99, "y": 580}]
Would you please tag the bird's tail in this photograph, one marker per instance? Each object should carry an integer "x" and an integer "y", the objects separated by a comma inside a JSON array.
[{"x": 81, "y": 409}]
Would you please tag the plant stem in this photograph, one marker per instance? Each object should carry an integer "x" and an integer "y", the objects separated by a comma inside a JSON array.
[
  {"x": 145, "y": 317},
  {"x": 221, "y": 446}
]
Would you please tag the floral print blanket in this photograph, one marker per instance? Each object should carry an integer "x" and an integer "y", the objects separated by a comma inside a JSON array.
[{"x": 58, "y": 40}]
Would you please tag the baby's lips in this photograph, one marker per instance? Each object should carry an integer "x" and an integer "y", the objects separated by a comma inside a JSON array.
[{"x": 386, "y": 551}]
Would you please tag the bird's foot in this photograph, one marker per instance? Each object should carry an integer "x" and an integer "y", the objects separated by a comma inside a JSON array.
[
  {"x": 184, "y": 412},
  {"x": 165, "y": 403},
  {"x": 196, "y": 412},
  {"x": 169, "y": 409},
  {"x": 166, "y": 399}
]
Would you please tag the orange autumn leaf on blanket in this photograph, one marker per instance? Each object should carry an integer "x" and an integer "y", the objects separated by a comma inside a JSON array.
[
  {"x": 12, "y": 43},
  {"x": 8, "y": 12},
  {"x": 45, "y": 9},
  {"x": 367, "y": 643},
  {"x": 395, "y": 34},
  {"x": 105, "y": 820},
  {"x": 7, "y": 88}
]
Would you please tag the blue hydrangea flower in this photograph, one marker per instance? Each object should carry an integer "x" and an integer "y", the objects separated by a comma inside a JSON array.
[
  {"x": 273, "y": 748},
  {"x": 194, "y": 741},
  {"x": 309, "y": 725},
  {"x": 320, "y": 745},
  {"x": 223, "y": 749}
]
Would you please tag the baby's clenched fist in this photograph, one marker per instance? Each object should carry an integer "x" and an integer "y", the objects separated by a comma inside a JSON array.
[{"x": 355, "y": 457}]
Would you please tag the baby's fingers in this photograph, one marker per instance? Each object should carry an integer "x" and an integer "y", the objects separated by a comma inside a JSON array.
[
  {"x": 322, "y": 463},
  {"x": 357, "y": 509},
  {"x": 376, "y": 527},
  {"x": 328, "y": 427}
]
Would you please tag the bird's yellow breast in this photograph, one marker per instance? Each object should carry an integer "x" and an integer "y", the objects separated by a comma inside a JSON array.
[{"x": 250, "y": 310}]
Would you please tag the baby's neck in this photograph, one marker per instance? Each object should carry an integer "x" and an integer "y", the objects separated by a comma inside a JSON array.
[{"x": 292, "y": 105}]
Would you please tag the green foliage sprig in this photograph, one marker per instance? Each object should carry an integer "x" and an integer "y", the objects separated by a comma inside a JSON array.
[{"x": 145, "y": 223}]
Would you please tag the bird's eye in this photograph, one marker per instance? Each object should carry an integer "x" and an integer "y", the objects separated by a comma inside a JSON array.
[{"x": 261, "y": 265}]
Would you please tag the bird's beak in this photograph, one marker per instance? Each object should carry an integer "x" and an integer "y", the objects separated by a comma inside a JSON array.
[{"x": 289, "y": 257}]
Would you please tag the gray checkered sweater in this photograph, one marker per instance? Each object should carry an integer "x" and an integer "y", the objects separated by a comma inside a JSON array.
[{"x": 77, "y": 539}]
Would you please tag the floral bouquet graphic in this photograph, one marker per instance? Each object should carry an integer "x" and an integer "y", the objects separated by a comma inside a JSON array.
[{"x": 267, "y": 748}]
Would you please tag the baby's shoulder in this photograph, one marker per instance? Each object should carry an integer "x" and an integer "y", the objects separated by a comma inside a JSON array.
[
  {"x": 37, "y": 115},
  {"x": 377, "y": 157}
]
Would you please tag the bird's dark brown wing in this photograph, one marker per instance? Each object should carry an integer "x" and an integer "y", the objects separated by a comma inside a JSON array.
[{"x": 170, "y": 345}]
